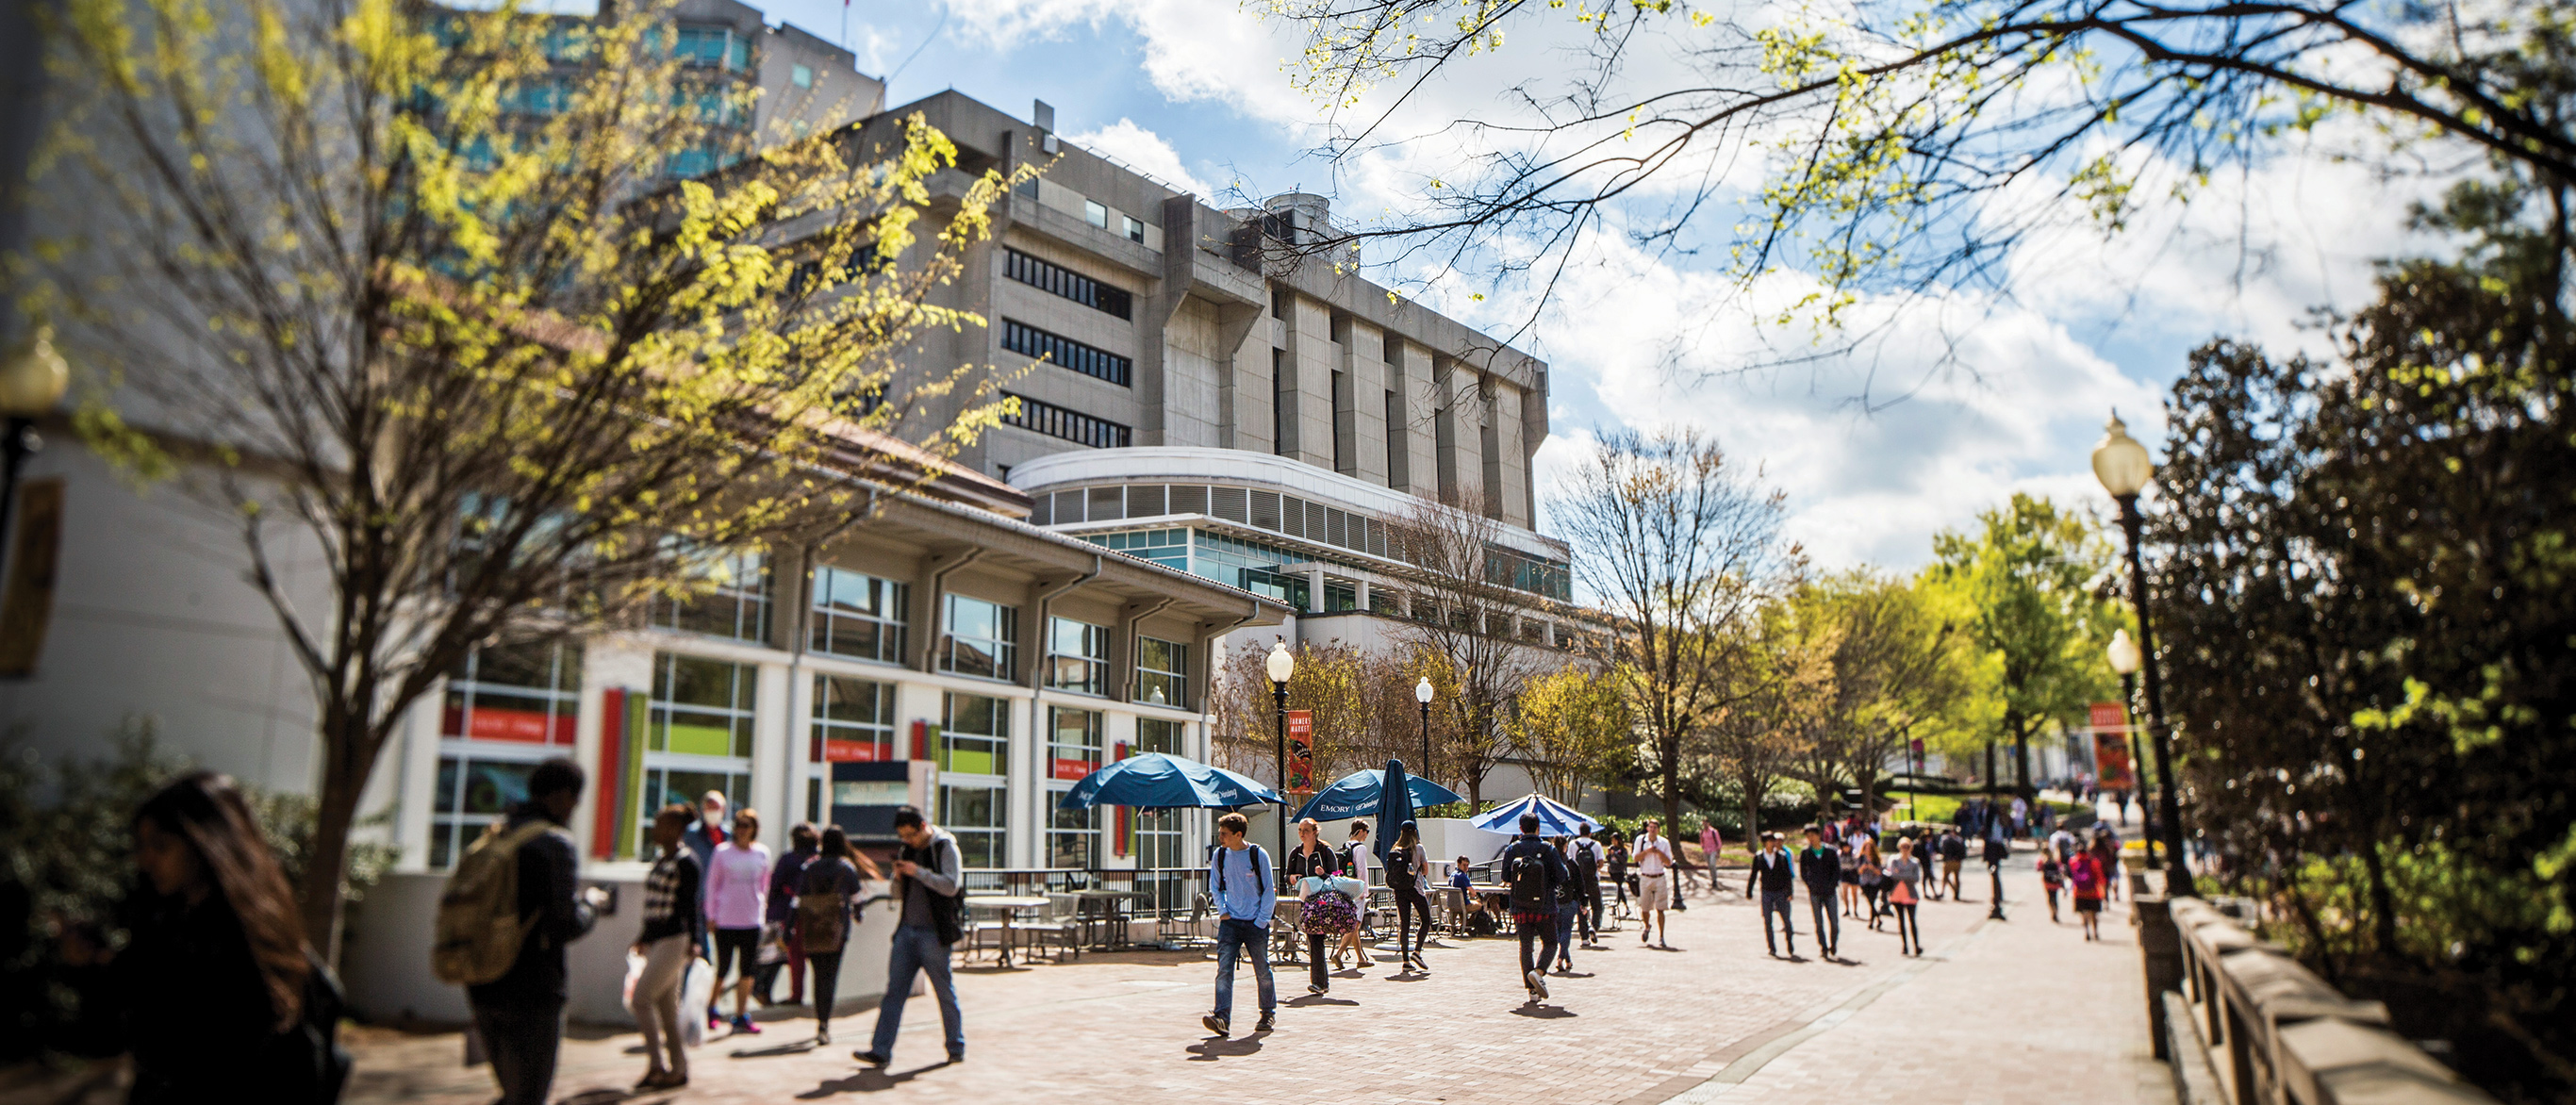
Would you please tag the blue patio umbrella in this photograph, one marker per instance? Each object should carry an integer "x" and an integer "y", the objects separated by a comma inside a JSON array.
[
  {"x": 1155, "y": 781},
  {"x": 1358, "y": 794},
  {"x": 1554, "y": 818},
  {"x": 1394, "y": 807}
]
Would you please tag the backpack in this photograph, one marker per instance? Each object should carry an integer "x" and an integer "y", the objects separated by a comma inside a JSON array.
[
  {"x": 1529, "y": 883},
  {"x": 479, "y": 930},
  {"x": 1587, "y": 862},
  {"x": 2082, "y": 872},
  {"x": 822, "y": 918}
]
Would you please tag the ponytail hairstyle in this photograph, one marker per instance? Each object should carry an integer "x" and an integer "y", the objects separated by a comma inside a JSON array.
[
  {"x": 836, "y": 845},
  {"x": 206, "y": 809}
]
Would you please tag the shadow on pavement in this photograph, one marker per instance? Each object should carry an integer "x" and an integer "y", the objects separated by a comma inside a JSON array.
[
  {"x": 867, "y": 1081},
  {"x": 1543, "y": 1012},
  {"x": 1311, "y": 1000},
  {"x": 799, "y": 1047},
  {"x": 1218, "y": 1047}
]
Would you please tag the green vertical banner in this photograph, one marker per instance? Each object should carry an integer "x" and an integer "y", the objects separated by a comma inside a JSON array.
[{"x": 630, "y": 786}]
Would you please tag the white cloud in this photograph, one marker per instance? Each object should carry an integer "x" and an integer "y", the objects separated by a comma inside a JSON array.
[{"x": 1143, "y": 150}]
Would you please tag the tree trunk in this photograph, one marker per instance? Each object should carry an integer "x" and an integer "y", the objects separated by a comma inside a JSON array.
[
  {"x": 347, "y": 760},
  {"x": 1990, "y": 767}
]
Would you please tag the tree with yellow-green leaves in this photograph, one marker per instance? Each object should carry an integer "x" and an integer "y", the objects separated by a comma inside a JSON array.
[
  {"x": 411, "y": 295},
  {"x": 1573, "y": 725}
]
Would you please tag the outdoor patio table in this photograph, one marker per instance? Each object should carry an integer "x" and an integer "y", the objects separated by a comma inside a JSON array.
[
  {"x": 1009, "y": 907},
  {"x": 1113, "y": 913}
]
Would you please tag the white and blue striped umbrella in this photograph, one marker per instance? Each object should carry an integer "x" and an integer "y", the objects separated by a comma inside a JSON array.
[{"x": 1554, "y": 818}]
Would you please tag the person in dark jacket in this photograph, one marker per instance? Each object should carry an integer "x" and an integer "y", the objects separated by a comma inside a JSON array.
[
  {"x": 1774, "y": 874},
  {"x": 1311, "y": 859},
  {"x": 520, "y": 1014},
  {"x": 828, "y": 899},
  {"x": 1535, "y": 920},
  {"x": 786, "y": 878},
  {"x": 674, "y": 933},
  {"x": 930, "y": 880},
  {"x": 215, "y": 986},
  {"x": 1821, "y": 868}
]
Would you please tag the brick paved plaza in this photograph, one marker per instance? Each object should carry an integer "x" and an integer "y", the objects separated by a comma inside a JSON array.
[{"x": 2021, "y": 1011}]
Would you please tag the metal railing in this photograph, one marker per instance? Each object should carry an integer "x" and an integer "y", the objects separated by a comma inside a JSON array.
[{"x": 2248, "y": 1025}]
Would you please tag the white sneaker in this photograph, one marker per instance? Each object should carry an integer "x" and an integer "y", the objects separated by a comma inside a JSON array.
[{"x": 1538, "y": 985}]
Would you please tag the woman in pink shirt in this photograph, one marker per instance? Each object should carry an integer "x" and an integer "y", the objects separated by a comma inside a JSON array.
[{"x": 737, "y": 904}]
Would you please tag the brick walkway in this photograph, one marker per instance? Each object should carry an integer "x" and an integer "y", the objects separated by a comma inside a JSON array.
[{"x": 2020, "y": 1011}]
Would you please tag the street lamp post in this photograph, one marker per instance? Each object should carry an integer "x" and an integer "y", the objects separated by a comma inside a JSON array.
[
  {"x": 31, "y": 382},
  {"x": 1422, "y": 694},
  {"x": 2125, "y": 660},
  {"x": 1281, "y": 666},
  {"x": 2124, "y": 468}
]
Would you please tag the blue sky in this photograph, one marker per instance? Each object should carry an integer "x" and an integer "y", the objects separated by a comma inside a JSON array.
[{"x": 1194, "y": 92}]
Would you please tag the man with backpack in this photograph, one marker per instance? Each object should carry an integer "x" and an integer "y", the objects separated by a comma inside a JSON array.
[
  {"x": 1589, "y": 858},
  {"x": 1532, "y": 870},
  {"x": 929, "y": 879},
  {"x": 509, "y": 909},
  {"x": 1246, "y": 899}
]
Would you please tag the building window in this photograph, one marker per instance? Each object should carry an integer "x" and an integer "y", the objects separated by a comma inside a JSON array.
[
  {"x": 1077, "y": 656},
  {"x": 803, "y": 75},
  {"x": 1383, "y": 601},
  {"x": 1134, "y": 230},
  {"x": 1073, "y": 426},
  {"x": 1065, "y": 282},
  {"x": 859, "y": 616},
  {"x": 853, "y": 720},
  {"x": 1167, "y": 547},
  {"x": 982, "y": 638},
  {"x": 1073, "y": 836},
  {"x": 702, "y": 707},
  {"x": 1162, "y": 673},
  {"x": 1099, "y": 364},
  {"x": 1340, "y": 595},
  {"x": 1251, "y": 566},
  {"x": 975, "y": 738},
  {"x": 522, "y": 693},
  {"x": 731, "y": 598},
  {"x": 1073, "y": 743},
  {"x": 1157, "y": 735},
  {"x": 1095, "y": 214},
  {"x": 719, "y": 47},
  {"x": 473, "y": 792},
  {"x": 665, "y": 784},
  {"x": 976, "y": 816}
]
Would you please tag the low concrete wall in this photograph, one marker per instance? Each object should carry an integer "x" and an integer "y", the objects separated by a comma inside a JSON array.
[
  {"x": 2273, "y": 1033},
  {"x": 385, "y": 956}
]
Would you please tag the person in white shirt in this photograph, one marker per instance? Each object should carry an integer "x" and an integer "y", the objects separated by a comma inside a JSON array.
[
  {"x": 1355, "y": 858},
  {"x": 1653, "y": 856}
]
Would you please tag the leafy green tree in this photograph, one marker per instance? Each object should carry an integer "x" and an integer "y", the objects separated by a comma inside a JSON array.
[
  {"x": 1899, "y": 670},
  {"x": 2361, "y": 572},
  {"x": 1572, "y": 725},
  {"x": 2025, "y": 579},
  {"x": 1903, "y": 145},
  {"x": 413, "y": 290}
]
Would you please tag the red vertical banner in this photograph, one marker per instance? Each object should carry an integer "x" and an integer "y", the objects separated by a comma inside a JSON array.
[
  {"x": 1301, "y": 754},
  {"x": 2111, "y": 767},
  {"x": 1118, "y": 836},
  {"x": 920, "y": 740},
  {"x": 2109, "y": 717},
  {"x": 607, "y": 797}
]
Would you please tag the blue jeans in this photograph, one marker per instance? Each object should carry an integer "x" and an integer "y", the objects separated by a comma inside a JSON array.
[
  {"x": 1234, "y": 938},
  {"x": 1565, "y": 915},
  {"x": 1829, "y": 920},
  {"x": 1778, "y": 903},
  {"x": 916, "y": 949}
]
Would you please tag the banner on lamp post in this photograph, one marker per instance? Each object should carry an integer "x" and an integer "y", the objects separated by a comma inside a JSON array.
[
  {"x": 2111, "y": 767},
  {"x": 1301, "y": 752}
]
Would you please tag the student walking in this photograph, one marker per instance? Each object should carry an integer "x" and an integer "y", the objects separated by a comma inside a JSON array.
[
  {"x": 1312, "y": 860},
  {"x": 1533, "y": 871},
  {"x": 1355, "y": 859},
  {"x": 1654, "y": 856},
  {"x": 1614, "y": 857},
  {"x": 928, "y": 879},
  {"x": 2085, "y": 873},
  {"x": 1873, "y": 875},
  {"x": 1773, "y": 877},
  {"x": 1849, "y": 859},
  {"x": 1587, "y": 874},
  {"x": 1569, "y": 906},
  {"x": 2106, "y": 853},
  {"x": 826, "y": 910},
  {"x": 2052, "y": 876},
  {"x": 785, "y": 879},
  {"x": 1246, "y": 900},
  {"x": 1821, "y": 868},
  {"x": 520, "y": 1014},
  {"x": 672, "y": 936},
  {"x": 1408, "y": 871},
  {"x": 737, "y": 906},
  {"x": 1904, "y": 894},
  {"x": 214, "y": 988},
  {"x": 1954, "y": 854}
]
